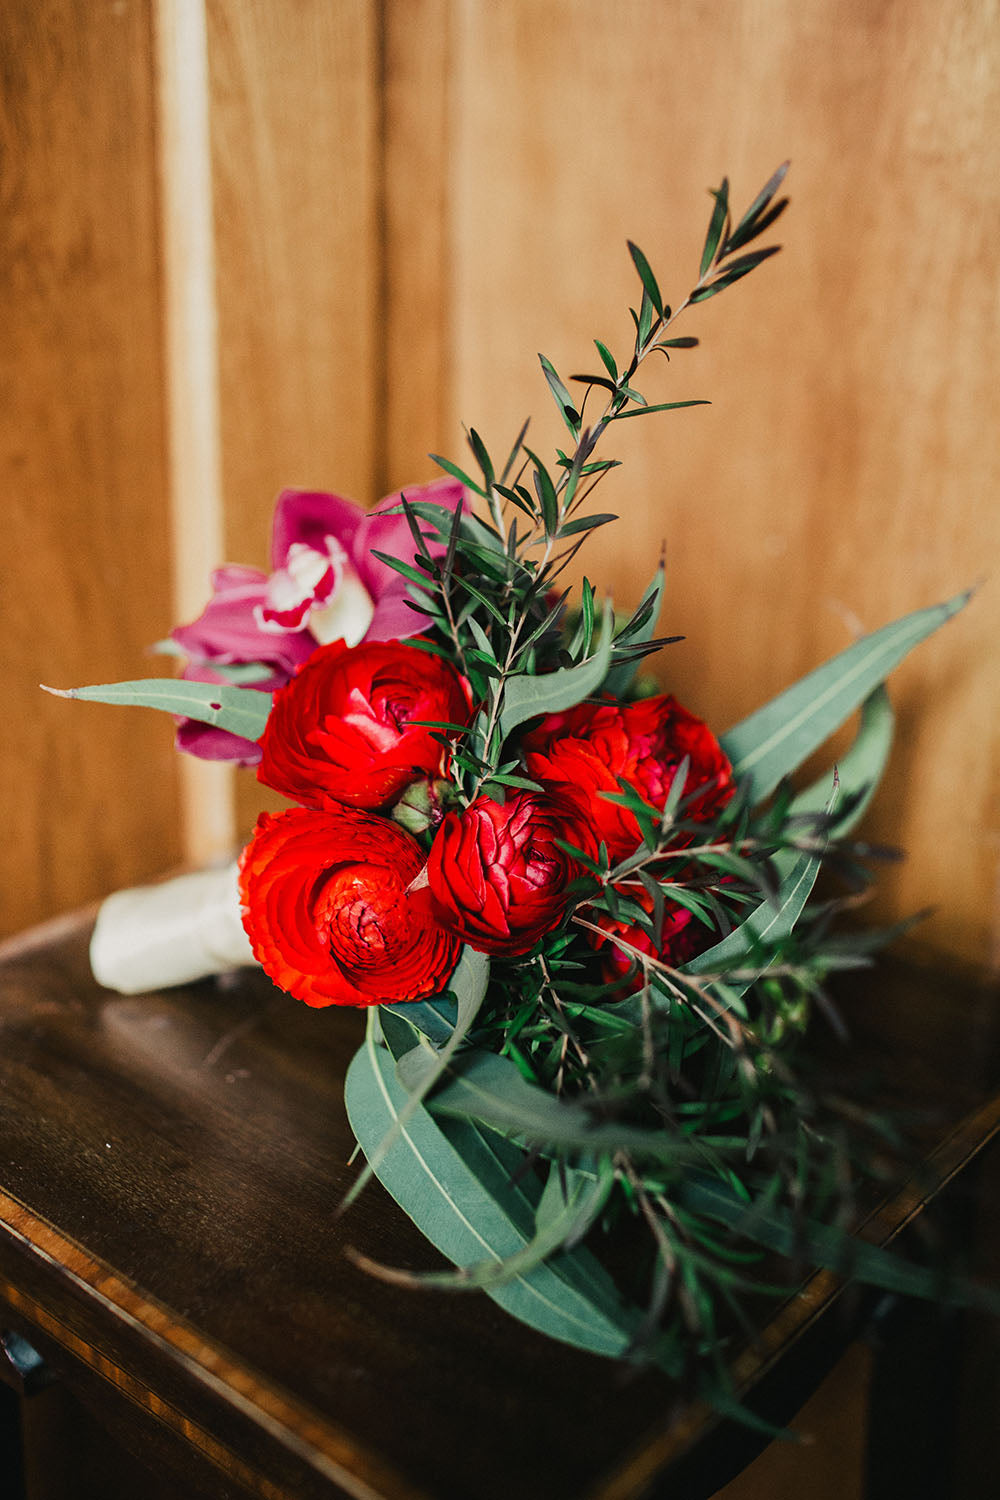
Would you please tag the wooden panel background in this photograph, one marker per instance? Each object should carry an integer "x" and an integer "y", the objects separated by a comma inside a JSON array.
[
  {"x": 410, "y": 199},
  {"x": 88, "y": 798}
]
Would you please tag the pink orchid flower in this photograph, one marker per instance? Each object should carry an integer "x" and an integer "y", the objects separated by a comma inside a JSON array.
[{"x": 325, "y": 585}]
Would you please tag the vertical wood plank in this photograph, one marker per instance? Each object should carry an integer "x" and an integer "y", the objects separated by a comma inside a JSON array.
[
  {"x": 208, "y": 811},
  {"x": 295, "y": 160},
  {"x": 845, "y": 471},
  {"x": 87, "y": 794},
  {"x": 418, "y": 414}
]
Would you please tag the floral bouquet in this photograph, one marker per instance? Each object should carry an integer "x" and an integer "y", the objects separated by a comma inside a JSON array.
[{"x": 583, "y": 926}]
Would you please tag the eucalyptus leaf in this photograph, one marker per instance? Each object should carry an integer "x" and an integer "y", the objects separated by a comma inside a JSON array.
[
  {"x": 241, "y": 711},
  {"x": 569, "y": 1220},
  {"x": 457, "y": 1188},
  {"x": 778, "y": 737},
  {"x": 524, "y": 696},
  {"x": 468, "y": 984},
  {"x": 860, "y": 769}
]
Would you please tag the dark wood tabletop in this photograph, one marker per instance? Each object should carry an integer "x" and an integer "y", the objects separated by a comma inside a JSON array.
[{"x": 171, "y": 1166}]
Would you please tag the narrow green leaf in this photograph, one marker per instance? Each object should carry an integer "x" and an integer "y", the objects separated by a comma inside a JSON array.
[
  {"x": 621, "y": 674},
  {"x": 515, "y": 450},
  {"x": 629, "y": 392},
  {"x": 646, "y": 277},
  {"x": 826, "y": 1245},
  {"x": 546, "y": 492},
  {"x": 646, "y": 411},
  {"x": 241, "y": 711},
  {"x": 643, "y": 326},
  {"x": 762, "y": 199},
  {"x": 398, "y": 566},
  {"x": 720, "y": 214},
  {"x": 749, "y": 232},
  {"x": 733, "y": 272},
  {"x": 777, "y": 738},
  {"x": 563, "y": 400},
  {"x": 601, "y": 380},
  {"x": 457, "y": 473},
  {"x": 607, "y": 358},
  {"x": 587, "y": 596},
  {"x": 481, "y": 598},
  {"x": 482, "y": 457},
  {"x": 585, "y": 523}
]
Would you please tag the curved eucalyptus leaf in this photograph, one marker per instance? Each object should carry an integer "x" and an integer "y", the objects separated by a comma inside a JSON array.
[
  {"x": 468, "y": 984},
  {"x": 777, "y": 738},
  {"x": 241, "y": 711},
  {"x": 860, "y": 769},
  {"x": 458, "y": 1192},
  {"x": 558, "y": 1220}
]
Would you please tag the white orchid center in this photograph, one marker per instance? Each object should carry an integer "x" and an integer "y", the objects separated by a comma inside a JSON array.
[{"x": 318, "y": 591}]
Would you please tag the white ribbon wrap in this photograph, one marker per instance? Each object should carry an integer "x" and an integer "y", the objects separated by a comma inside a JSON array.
[{"x": 156, "y": 936}]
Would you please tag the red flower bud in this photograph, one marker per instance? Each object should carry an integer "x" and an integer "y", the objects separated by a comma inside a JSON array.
[
  {"x": 681, "y": 938},
  {"x": 497, "y": 875},
  {"x": 329, "y": 913},
  {"x": 344, "y": 727}
]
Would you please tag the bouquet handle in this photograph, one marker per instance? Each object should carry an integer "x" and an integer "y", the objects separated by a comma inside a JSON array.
[{"x": 153, "y": 937}]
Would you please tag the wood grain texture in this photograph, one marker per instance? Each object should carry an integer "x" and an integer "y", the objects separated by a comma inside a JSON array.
[
  {"x": 418, "y": 407},
  {"x": 847, "y": 470},
  {"x": 294, "y": 129},
  {"x": 87, "y": 794}
]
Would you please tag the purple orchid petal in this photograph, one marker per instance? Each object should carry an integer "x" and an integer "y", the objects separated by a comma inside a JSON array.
[
  {"x": 209, "y": 743},
  {"x": 227, "y": 631},
  {"x": 393, "y": 619},
  {"x": 391, "y": 534},
  {"x": 309, "y": 516}
]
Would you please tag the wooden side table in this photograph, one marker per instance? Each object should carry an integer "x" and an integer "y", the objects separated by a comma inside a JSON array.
[{"x": 170, "y": 1167}]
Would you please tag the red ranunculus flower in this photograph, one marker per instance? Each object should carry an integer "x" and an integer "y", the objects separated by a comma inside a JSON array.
[
  {"x": 328, "y": 912},
  {"x": 497, "y": 876},
  {"x": 592, "y": 745},
  {"x": 343, "y": 727}
]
